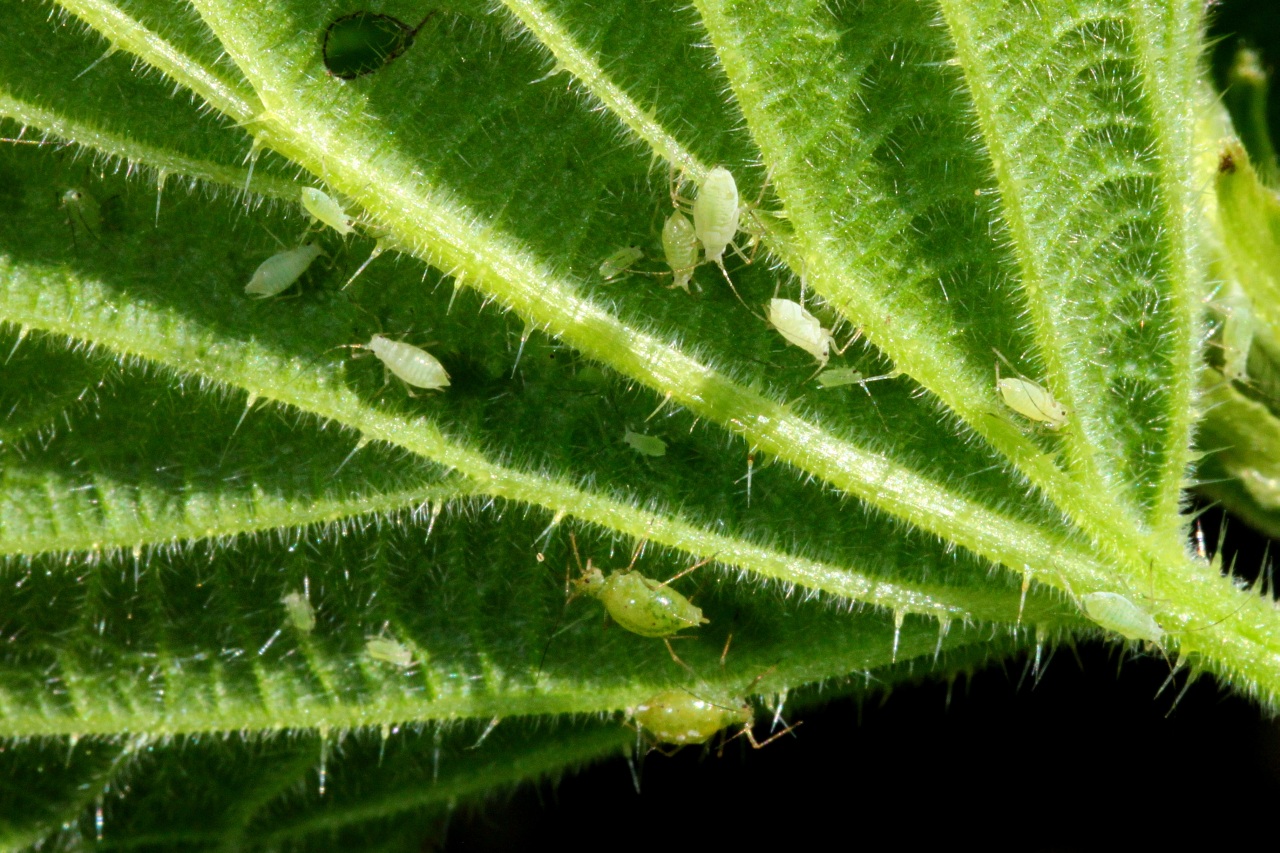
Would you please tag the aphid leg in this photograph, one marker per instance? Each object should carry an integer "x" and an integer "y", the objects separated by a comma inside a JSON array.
[
  {"x": 675, "y": 657},
  {"x": 751, "y": 738},
  {"x": 681, "y": 574}
]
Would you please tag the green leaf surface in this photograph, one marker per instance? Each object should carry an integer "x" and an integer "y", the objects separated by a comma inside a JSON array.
[{"x": 958, "y": 182}]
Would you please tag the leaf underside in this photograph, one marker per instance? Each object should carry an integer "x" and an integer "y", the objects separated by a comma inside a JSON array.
[{"x": 948, "y": 179}]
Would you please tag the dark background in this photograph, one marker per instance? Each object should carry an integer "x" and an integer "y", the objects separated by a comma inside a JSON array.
[{"x": 1088, "y": 758}]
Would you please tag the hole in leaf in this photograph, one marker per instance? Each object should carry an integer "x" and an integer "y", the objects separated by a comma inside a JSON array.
[{"x": 363, "y": 42}]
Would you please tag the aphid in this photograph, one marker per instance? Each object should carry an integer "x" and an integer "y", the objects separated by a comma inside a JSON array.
[
  {"x": 412, "y": 365},
  {"x": 640, "y": 604},
  {"x": 278, "y": 272},
  {"x": 1238, "y": 329},
  {"x": 619, "y": 262},
  {"x": 680, "y": 246},
  {"x": 83, "y": 211},
  {"x": 716, "y": 214},
  {"x": 362, "y": 42},
  {"x": 1032, "y": 401},
  {"x": 838, "y": 377},
  {"x": 302, "y": 616},
  {"x": 645, "y": 445},
  {"x": 679, "y": 718},
  {"x": 387, "y": 650},
  {"x": 325, "y": 208},
  {"x": 802, "y": 329},
  {"x": 1119, "y": 615}
]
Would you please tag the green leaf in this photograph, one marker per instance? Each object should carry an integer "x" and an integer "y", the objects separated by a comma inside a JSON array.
[{"x": 957, "y": 183}]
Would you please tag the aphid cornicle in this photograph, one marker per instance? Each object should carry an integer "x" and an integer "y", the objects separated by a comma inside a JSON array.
[
  {"x": 325, "y": 208},
  {"x": 680, "y": 247},
  {"x": 802, "y": 329},
  {"x": 412, "y": 365},
  {"x": 278, "y": 272}
]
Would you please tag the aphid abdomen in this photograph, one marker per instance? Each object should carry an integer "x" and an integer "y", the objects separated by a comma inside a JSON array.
[
  {"x": 715, "y": 213},
  {"x": 680, "y": 246},
  {"x": 680, "y": 718},
  {"x": 643, "y": 606},
  {"x": 1121, "y": 616},
  {"x": 278, "y": 272},
  {"x": 412, "y": 365}
]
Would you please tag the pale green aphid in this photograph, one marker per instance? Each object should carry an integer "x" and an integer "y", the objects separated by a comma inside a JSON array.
[
  {"x": 1121, "y": 616},
  {"x": 716, "y": 214},
  {"x": 645, "y": 445},
  {"x": 387, "y": 650},
  {"x": 619, "y": 262},
  {"x": 327, "y": 209},
  {"x": 412, "y": 365},
  {"x": 302, "y": 616},
  {"x": 278, "y": 272},
  {"x": 82, "y": 210},
  {"x": 1238, "y": 328},
  {"x": 802, "y": 329},
  {"x": 838, "y": 377},
  {"x": 680, "y": 247},
  {"x": 1033, "y": 402}
]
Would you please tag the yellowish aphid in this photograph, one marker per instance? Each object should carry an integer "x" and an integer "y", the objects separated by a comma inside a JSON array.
[
  {"x": 302, "y": 616},
  {"x": 679, "y": 718},
  {"x": 637, "y": 603},
  {"x": 1033, "y": 402},
  {"x": 680, "y": 246},
  {"x": 802, "y": 329},
  {"x": 390, "y": 651},
  {"x": 645, "y": 445},
  {"x": 278, "y": 272},
  {"x": 1119, "y": 615},
  {"x": 619, "y": 262},
  {"x": 327, "y": 209},
  {"x": 412, "y": 365}
]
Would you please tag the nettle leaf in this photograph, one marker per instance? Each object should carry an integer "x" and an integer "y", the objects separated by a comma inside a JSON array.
[{"x": 961, "y": 183}]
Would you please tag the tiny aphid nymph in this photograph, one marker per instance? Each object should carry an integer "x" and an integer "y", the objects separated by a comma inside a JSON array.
[
  {"x": 325, "y": 208},
  {"x": 619, "y": 262},
  {"x": 278, "y": 272},
  {"x": 387, "y": 650},
  {"x": 412, "y": 365},
  {"x": 645, "y": 445},
  {"x": 802, "y": 329},
  {"x": 680, "y": 247},
  {"x": 302, "y": 616}
]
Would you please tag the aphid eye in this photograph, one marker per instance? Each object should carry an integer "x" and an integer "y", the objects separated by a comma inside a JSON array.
[{"x": 363, "y": 42}]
